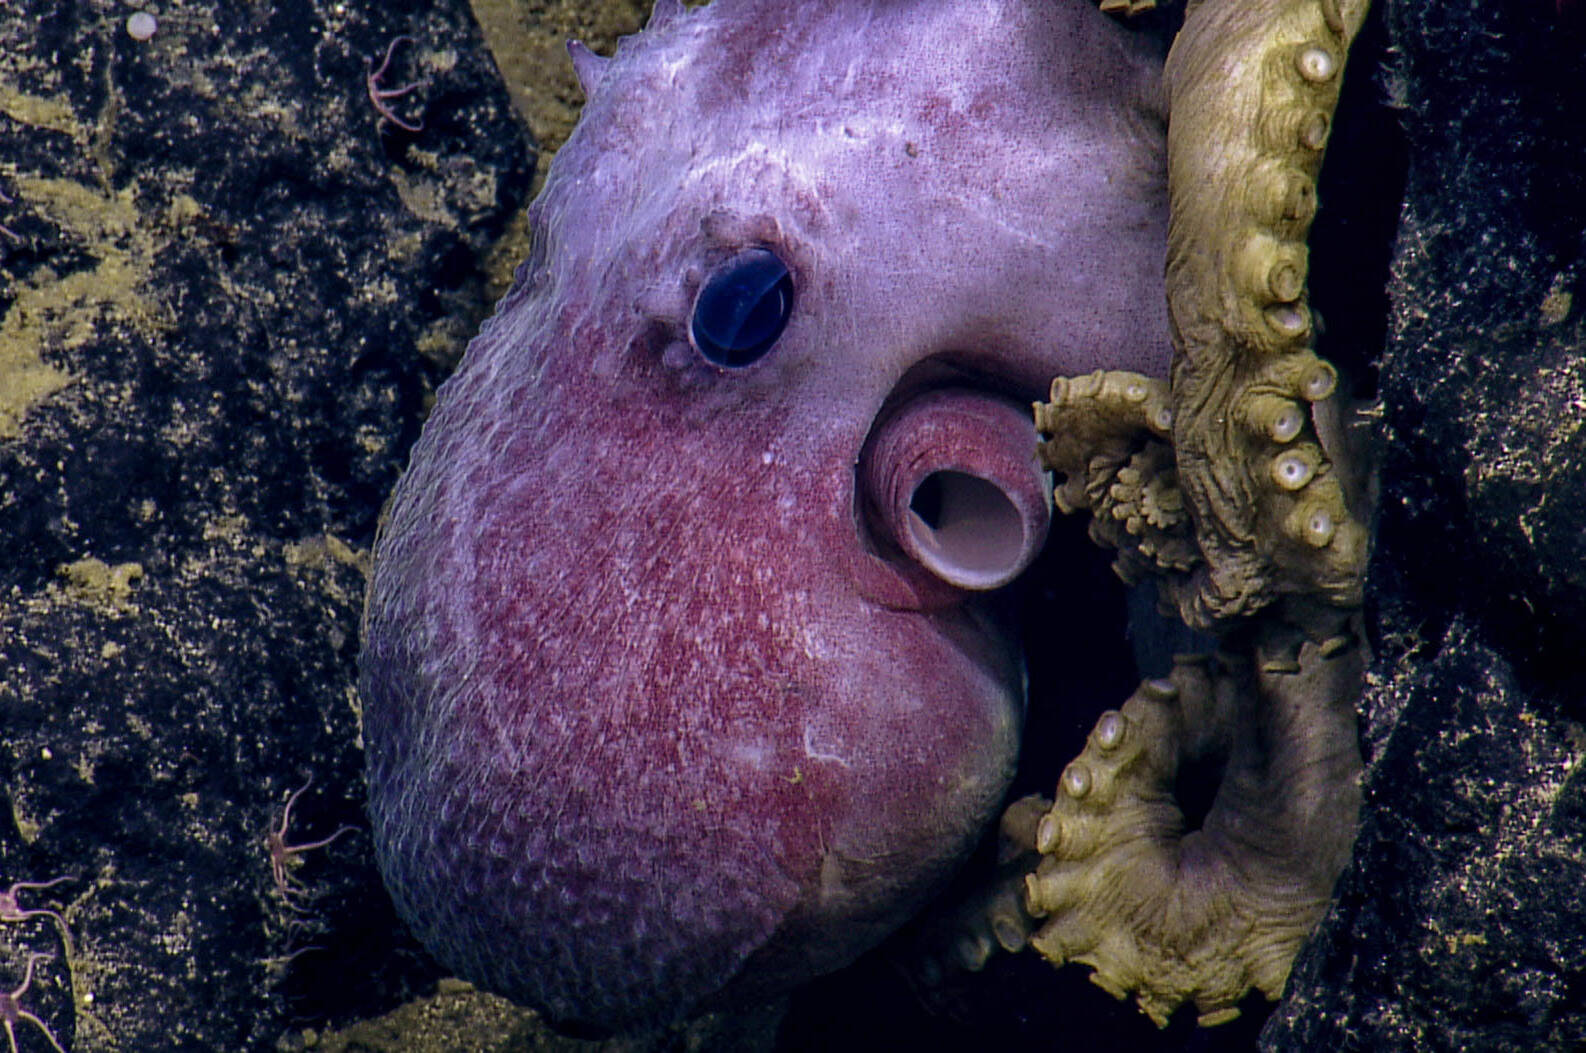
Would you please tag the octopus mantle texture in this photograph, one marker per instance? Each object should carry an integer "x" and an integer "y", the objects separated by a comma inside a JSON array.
[{"x": 677, "y": 677}]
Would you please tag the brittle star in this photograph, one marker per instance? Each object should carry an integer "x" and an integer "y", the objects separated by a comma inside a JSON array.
[
  {"x": 12, "y": 1013},
  {"x": 283, "y": 855},
  {"x": 380, "y": 97},
  {"x": 12, "y": 910}
]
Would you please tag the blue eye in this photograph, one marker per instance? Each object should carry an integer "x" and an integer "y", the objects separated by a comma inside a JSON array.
[{"x": 743, "y": 308}]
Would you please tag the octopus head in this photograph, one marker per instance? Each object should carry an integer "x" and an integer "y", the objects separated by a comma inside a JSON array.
[{"x": 680, "y": 683}]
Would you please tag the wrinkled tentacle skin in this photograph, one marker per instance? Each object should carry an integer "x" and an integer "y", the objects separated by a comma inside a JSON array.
[
  {"x": 1174, "y": 916},
  {"x": 1107, "y": 441},
  {"x": 1160, "y": 911},
  {"x": 1221, "y": 487},
  {"x": 1252, "y": 87}
]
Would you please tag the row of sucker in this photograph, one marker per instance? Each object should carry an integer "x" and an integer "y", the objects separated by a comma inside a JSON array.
[
  {"x": 964, "y": 936},
  {"x": 1261, "y": 82},
  {"x": 1175, "y": 916}
]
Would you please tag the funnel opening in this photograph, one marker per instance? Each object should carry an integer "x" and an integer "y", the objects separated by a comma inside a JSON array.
[{"x": 966, "y": 530}]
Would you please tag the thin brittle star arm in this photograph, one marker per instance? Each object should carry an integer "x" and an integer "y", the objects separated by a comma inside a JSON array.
[{"x": 380, "y": 97}]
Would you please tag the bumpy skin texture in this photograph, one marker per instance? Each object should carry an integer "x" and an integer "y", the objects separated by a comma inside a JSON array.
[
  {"x": 657, "y": 711},
  {"x": 1251, "y": 90}
]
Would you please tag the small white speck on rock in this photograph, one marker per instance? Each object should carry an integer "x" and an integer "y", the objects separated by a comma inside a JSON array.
[{"x": 141, "y": 25}]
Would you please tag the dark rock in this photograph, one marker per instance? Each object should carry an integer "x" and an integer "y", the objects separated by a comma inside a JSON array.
[
  {"x": 1461, "y": 923},
  {"x": 226, "y": 292}
]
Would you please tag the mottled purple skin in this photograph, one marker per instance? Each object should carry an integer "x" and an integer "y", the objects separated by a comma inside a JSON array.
[{"x": 653, "y": 719}]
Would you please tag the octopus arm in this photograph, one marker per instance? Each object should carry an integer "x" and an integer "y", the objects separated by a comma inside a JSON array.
[
  {"x": 1252, "y": 87},
  {"x": 1172, "y": 915},
  {"x": 1162, "y": 907},
  {"x": 1220, "y": 486}
]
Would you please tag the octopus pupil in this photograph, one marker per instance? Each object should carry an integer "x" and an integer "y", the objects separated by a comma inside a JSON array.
[{"x": 741, "y": 311}]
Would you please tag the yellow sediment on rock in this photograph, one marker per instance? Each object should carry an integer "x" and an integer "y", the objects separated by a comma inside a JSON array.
[
  {"x": 98, "y": 583},
  {"x": 25, "y": 379},
  {"x": 53, "y": 112},
  {"x": 53, "y": 313},
  {"x": 529, "y": 44},
  {"x": 324, "y": 550},
  {"x": 432, "y": 1024}
]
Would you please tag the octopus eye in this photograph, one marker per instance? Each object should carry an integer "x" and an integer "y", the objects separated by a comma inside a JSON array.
[{"x": 742, "y": 309}]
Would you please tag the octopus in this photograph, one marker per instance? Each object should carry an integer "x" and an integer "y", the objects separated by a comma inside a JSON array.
[{"x": 684, "y": 679}]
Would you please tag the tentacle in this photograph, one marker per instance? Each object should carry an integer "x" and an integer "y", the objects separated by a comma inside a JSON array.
[
  {"x": 1252, "y": 87},
  {"x": 1221, "y": 488},
  {"x": 966, "y": 935},
  {"x": 1161, "y": 912},
  {"x": 1106, "y": 439},
  {"x": 1173, "y": 915},
  {"x": 1126, "y": 8}
]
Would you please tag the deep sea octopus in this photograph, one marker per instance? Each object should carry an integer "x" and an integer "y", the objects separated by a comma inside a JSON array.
[{"x": 679, "y": 682}]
